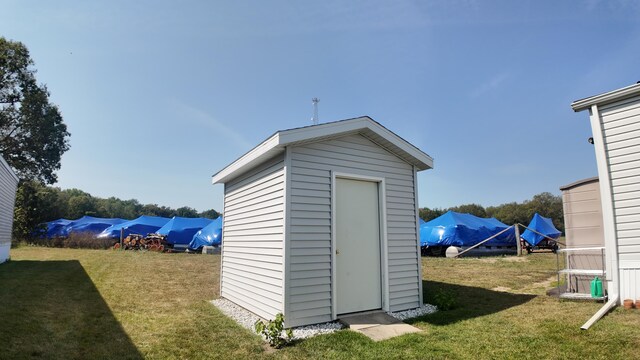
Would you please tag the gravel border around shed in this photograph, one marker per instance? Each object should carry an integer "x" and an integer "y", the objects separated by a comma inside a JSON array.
[{"x": 247, "y": 319}]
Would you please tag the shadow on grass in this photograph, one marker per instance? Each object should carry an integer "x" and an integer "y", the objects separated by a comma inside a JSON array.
[
  {"x": 52, "y": 309},
  {"x": 471, "y": 302}
]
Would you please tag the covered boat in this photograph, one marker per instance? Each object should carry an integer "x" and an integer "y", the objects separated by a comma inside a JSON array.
[{"x": 463, "y": 230}]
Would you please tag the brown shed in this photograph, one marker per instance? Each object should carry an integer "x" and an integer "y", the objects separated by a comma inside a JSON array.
[{"x": 581, "y": 202}]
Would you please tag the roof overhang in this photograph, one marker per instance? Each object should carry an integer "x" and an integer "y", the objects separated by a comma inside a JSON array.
[
  {"x": 364, "y": 126},
  {"x": 606, "y": 98},
  {"x": 580, "y": 182}
]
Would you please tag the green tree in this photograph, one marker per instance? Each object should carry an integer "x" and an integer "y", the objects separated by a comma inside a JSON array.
[
  {"x": 33, "y": 136},
  {"x": 34, "y": 204},
  {"x": 548, "y": 205},
  {"x": 429, "y": 214},
  {"x": 209, "y": 214},
  {"x": 473, "y": 209},
  {"x": 186, "y": 211},
  {"x": 156, "y": 210}
]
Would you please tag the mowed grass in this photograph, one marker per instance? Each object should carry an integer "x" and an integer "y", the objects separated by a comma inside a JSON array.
[{"x": 93, "y": 304}]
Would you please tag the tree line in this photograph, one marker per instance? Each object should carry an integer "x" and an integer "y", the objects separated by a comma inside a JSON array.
[
  {"x": 38, "y": 203},
  {"x": 545, "y": 204}
]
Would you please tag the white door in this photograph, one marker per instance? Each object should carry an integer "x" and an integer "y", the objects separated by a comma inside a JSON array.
[{"x": 358, "y": 276}]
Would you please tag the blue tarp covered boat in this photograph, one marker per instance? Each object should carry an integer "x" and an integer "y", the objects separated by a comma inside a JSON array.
[
  {"x": 143, "y": 225},
  {"x": 180, "y": 231},
  {"x": 210, "y": 235},
  {"x": 456, "y": 229},
  {"x": 89, "y": 224},
  {"x": 542, "y": 225},
  {"x": 54, "y": 228}
]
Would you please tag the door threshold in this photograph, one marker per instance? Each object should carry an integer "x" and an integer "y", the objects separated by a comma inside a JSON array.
[{"x": 357, "y": 313}]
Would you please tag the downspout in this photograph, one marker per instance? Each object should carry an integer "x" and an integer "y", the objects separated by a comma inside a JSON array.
[
  {"x": 613, "y": 301},
  {"x": 609, "y": 226}
]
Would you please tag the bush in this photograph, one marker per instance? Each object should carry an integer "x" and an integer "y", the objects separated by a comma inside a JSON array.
[
  {"x": 272, "y": 331},
  {"x": 74, "y": 241},
  {"x": 444, "y": 299}
]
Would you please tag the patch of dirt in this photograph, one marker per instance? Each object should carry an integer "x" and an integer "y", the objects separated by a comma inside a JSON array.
[
  {"x": 488, "y": 260},
  {"x": 501, "y": 288},
  {"x": 546, "y": 283},
  {"x": 515, "y": 259},
  {"x": 268, "y": 349}
]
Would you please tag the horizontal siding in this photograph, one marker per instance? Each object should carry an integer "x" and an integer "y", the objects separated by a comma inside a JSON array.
[
  {"x": 583, "y": 215},
  {"x": 8, "y": 184},
  {"x": 253, "y": 235},
  {"x": 310, "y": 232},
  {"x": 621, "y": 130}
]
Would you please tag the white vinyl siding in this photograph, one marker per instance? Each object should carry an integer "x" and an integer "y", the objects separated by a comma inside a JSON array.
[
  {"x": 253, "y": 238},
  {"x": 630, "y": 282},
  {"x": 310, "y": 255},
  {"x": 621, "y": 131},
  {"x": 8, "y": 184}
]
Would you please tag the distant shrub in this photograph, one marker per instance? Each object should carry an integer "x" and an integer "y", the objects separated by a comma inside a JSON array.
[{"x": 74, "y": 241}]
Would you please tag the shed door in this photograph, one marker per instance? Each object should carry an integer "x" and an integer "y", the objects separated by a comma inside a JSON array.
[{"x": 358, "y": 277}]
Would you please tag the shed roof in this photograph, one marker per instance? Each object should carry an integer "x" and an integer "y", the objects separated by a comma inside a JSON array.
[
  {"x": 606, "y": 98},
  {"x": 579, "y": 182},
  {"x": 364, "y": 126}
]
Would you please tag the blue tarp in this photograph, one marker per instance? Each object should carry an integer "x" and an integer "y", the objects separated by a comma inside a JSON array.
[
  {"x": 180, "y": 231},
  {"x": 542, "y": 225},
  {"x": 456, "y": 229},
  {"x": 89, "y": 224},
  {"x": 143, "y": 225},
  {"x": 54, "y": 228},
  {"x": 210, "y": 235}
]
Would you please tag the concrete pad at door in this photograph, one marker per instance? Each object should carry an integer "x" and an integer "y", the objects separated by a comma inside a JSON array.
[
  {"x": 384, "y": 332},
  {"x": 378, "y": 325}
]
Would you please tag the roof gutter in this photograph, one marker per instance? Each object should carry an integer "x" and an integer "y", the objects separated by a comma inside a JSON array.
[
  {"x": 613, "y": 301},
  {"x": 606, "y": 98}
]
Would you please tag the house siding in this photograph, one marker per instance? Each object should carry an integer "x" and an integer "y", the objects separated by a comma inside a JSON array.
[
  {"x": 8, "y": 185},
  {"x": 253, "y": 233},
  {"x": 621, "y": 131},
  {"x": 309, "y": 249}
]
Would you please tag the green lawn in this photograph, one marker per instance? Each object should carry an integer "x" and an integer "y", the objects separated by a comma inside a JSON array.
[{"x": 93, "y": 304}]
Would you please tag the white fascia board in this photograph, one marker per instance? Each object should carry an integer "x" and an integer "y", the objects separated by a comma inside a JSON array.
[
  {"x": 403, "y": 145},
  {"x": 281, "y": 139},
  {"x": 605, "y": 98},
  {"x": 256, "y": 155},
  {"x": 340, "y": 127}
]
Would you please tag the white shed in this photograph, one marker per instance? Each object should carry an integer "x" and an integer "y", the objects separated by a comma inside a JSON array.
[
  {"x": 615, "y": 123},
  {"x": 8, "y": 185},
  {"x": 322, "y": 221}
]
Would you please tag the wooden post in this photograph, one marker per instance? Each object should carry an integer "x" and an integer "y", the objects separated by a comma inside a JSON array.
[
  {"x": 121, "y": 235},
  {"x": 518, "y": 241}
]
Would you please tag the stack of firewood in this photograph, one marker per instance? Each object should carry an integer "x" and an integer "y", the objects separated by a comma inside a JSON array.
[{"x": 152, "y": 242}]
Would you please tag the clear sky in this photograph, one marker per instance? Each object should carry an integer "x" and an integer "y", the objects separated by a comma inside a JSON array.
[{"x": 160, "y": 95}]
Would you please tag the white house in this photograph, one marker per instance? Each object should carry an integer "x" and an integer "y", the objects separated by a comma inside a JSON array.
[
  {"x": 322, "y": 221},
  {"x": 615, "y": 123},
  {"x": 8, "y": 185}
]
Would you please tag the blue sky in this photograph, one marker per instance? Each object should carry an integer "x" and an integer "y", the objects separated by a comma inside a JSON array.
[{"x": 159, "y": 95}]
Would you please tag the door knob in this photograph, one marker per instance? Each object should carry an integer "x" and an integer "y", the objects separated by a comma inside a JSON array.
[{"x": 337, "y": 252}]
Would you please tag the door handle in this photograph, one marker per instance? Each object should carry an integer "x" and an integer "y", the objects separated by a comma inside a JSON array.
[{"x": 337, "y": 252}]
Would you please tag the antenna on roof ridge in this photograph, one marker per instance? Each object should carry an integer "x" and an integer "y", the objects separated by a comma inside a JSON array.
[{"x": 315, "y": 102}]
